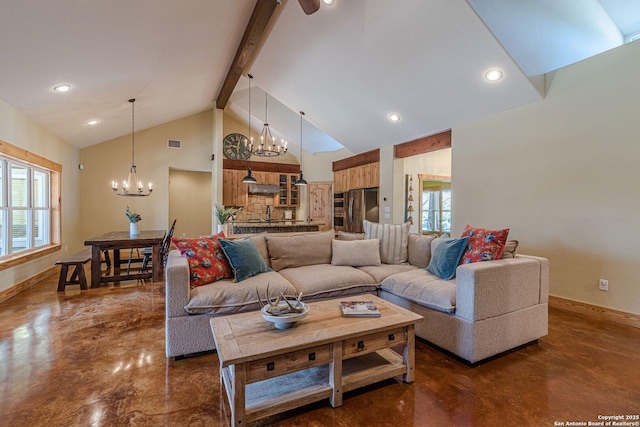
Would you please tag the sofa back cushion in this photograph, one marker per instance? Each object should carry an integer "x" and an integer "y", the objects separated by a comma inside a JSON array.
[
  {"x": 300, "y": 249},
  {"x": 394, "y": 240},
  {"x": 419, "y": 249},
  {"x": 345, "y": 235},
  {"x": 356, "y": 253},
  {"x": 260, "y": 241}
]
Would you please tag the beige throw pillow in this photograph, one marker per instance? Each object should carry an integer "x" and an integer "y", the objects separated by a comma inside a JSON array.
[
  {"x": 356, "y": 253},
  {"x": 394, "y": 240},
  {"x": 510, "y": 249}
]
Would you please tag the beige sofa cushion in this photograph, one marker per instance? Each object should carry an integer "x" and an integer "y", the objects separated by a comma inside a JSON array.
[
  {"x": 261, "y": 243},
  {"x": 344, "y": 235},
  {"x": 356, "y": 253},
  {"x": 228, "y": 297},
  {"x": 329, "y": 281},
  {"x": 299, "y": 250},
  {"x": 381, "y": 272},
  {"x": 419, "y": 249},
  {"x": 423, "y": 288}
]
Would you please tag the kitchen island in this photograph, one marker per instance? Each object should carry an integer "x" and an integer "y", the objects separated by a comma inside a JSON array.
[{"x": 273, "y": 226}]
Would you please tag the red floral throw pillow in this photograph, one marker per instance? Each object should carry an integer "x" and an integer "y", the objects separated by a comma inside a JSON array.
[
  {"x": 483, "y": 245},
  {"x": 207, "y": 262}
]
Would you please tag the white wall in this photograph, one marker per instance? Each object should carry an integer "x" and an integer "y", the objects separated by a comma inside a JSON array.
[
  {"x": 563, "y": 174},
  {"x": 19, "y": 130}
]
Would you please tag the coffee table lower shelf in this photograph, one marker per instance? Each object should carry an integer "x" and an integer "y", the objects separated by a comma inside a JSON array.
[{"x": 282, "y": 393}]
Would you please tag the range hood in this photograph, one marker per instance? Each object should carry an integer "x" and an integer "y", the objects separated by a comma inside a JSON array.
[{"x": 263, "y": 189}]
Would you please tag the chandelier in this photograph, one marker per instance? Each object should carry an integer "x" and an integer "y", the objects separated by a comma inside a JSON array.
[
  {"x": 268, "y": 146},
  {"x": 132, "y": 186}
]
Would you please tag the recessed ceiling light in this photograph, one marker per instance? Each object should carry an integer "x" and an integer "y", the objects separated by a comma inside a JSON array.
[
  {"x": 328, "y": 2},
  {"x": 493, "y": 75},
  {"x": 62, "y": 88},
  {"x": 394, "y": 117},
  {"x": 92, "y": 122}
]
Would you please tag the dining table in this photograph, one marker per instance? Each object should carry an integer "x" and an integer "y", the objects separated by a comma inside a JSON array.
[{"x": 116, "y": 241}]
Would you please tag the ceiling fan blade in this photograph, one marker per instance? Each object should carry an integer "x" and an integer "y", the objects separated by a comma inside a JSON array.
[{"x": 309, "y": 6}]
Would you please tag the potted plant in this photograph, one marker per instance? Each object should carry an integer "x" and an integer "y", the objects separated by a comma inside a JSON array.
[
  {"x": 223, "y": 214},
  {"x": 133, "y": 218}
]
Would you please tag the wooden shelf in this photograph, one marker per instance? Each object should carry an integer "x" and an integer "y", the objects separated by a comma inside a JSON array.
[{"x": 282, "y": 393}]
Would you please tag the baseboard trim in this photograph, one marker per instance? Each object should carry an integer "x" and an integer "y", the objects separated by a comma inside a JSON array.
[
  {"x": 25, "y": 284},
  {"x": 602, "y": 313}
]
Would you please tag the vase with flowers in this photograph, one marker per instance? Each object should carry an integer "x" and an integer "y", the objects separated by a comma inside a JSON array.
[
  {"x": 224, "y": 214},
  {"x": 133, "y": 217}
]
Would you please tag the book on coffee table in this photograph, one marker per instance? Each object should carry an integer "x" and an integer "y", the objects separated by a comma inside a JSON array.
[{"x": 359, "y": 309}]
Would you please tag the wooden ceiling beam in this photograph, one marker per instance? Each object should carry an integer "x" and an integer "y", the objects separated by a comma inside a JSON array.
[
  {"x": 423, "y": 145},
  {"x": 248, "y": 49}
]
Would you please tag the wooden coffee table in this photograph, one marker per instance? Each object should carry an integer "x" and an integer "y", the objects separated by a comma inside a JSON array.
[{"x": 266, "y": 370}]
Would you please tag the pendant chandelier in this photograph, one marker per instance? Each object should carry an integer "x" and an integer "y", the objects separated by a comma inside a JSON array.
[
  {"x": 249, "y": 179},
  {"x": 268, "y": 146},
  {"x": 301, "y": 180},
  {"x": 132, "y": 186}
]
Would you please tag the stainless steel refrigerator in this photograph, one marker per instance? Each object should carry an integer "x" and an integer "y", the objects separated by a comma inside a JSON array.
[{"x": 361, "y": 204}]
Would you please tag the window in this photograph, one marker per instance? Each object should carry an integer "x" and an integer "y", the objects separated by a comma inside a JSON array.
[
  {"x": 435, "y": 206},
  {"x": 29, "y": 207},
  {"x": 24, "y": 206}
]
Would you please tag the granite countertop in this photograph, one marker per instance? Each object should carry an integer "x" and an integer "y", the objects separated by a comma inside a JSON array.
[{"x": 273, "y": 223}]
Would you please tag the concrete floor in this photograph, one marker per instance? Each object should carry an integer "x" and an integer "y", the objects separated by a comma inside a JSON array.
[{"x": 96, "y": 358}]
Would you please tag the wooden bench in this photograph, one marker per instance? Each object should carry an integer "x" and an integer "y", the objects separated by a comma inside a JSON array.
[{"x": 78, "y": 277}]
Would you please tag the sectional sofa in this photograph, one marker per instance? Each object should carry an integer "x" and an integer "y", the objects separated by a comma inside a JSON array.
[{"x": 488, "y": 308}]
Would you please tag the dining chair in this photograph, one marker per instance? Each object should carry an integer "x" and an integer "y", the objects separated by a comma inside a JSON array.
[{"x": 164, "y": 249}]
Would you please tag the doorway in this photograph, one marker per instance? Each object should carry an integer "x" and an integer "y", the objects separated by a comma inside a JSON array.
[{"x": 190, "y": 202}]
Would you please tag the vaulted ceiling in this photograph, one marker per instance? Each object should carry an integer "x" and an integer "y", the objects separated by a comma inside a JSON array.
[{"x": 347, "y": 66}]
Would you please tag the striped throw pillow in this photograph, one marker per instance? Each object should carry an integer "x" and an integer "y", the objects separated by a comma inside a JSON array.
[{"x": 393, "y": 240}]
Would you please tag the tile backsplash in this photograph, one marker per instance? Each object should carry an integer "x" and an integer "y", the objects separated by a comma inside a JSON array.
[{"x": 257, "y": 208}]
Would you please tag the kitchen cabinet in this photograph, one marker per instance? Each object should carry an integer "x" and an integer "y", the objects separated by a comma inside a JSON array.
[
  {"x": 356, "y": 177},
  {"x": 340, "y": 184},
  {"x": 271, "y": 178},
  {"x": 372, "y": 175},
  {"x": 363, "y": 176},
  {"x": 288, "y": 194},
  {"x": 234, "y": 191}
]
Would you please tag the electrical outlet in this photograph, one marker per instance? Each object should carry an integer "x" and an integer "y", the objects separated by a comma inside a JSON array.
[{"x": 604, "y": 285}]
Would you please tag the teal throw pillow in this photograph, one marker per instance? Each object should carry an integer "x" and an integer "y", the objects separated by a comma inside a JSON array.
[
  {"x": 244, "y": 257},
  {"x": 446, "y": 256}
]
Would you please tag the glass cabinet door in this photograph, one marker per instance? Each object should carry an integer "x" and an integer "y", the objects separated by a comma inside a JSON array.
[
  {"x": 294, "y": 190},
  {"x": 283, "y": 191}
]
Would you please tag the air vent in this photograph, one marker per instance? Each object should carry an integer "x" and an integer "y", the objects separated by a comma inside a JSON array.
[{"x": 174, "y": 143}]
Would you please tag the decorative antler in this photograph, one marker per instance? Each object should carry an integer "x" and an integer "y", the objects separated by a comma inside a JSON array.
[{"x": 282, "y": 304}]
